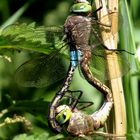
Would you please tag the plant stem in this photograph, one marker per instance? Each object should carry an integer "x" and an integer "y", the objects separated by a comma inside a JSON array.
[{"x": 119, "y": 119}]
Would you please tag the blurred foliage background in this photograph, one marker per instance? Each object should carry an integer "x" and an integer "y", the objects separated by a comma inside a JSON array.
[{"x": 32, "y": 103}]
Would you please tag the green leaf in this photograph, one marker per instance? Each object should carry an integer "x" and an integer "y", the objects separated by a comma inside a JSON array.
[
  {"x": 31, "y": 137},
  {"x": 42, "y": 136},
  {"x": 23, "y": 31},
  {"x": 23, "y": 36}
]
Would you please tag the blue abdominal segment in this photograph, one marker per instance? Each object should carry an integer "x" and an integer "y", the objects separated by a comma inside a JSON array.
[{"x": 74, "y": 58}]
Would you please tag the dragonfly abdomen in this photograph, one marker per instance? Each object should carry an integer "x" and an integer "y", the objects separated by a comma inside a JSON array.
[
  {"x": 102, "y": 114},
  {"x": 55, "y": 102}
]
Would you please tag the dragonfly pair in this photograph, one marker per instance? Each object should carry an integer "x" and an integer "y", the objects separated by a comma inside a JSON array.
[{"x": 82, "y": 35}]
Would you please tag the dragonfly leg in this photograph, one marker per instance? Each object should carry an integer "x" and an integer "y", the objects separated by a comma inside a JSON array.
[
  {"x": 86, "y": 104},
  {"x": 104, "y": 134},
  {"x": 105, "y": 24},
  {"x": 74, "y": 101},
  {"x": 101, "y": 6},
  {"x": 117, "y": 50}
]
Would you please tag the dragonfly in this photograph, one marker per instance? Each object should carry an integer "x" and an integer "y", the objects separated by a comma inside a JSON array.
[
  {"x": 81, "y": 35},
  {"x": 80, "y": 124}
]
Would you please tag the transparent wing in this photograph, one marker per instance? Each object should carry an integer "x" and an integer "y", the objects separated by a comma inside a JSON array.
[
  {"x": 41, "y": 72},
  {"x": 45, "y": 70},
  {"x": 54, "y": 34},
  {"x": 100, "y": 55},
  {"x": 103, "y": 58},
  {"x": 97, "y": 26},
  {"x": 103, "y": 26}
]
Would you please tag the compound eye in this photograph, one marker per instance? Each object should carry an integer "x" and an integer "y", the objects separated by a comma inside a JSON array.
[
  {"x": 61, "y": 118},
  {"x": 81, "y": 8},
  {"x": 63, "y": 114}
]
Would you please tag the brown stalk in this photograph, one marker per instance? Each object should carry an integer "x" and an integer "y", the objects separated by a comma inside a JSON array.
[{"x": 119, "y": 118}]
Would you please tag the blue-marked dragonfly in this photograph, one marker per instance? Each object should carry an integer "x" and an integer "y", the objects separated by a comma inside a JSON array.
[{"x": 81, "y": 35}]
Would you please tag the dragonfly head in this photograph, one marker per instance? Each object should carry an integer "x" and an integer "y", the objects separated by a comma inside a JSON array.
[
  {"x": 63, "y": 114},
  {"x": 81, "y": 8}
]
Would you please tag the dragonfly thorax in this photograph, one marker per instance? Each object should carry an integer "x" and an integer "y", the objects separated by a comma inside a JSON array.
[
  {"x": 80, "y": 124},
  {"x": 77, "y": 29}
]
